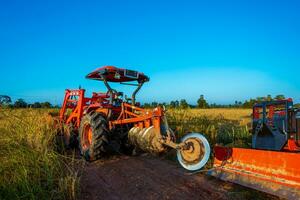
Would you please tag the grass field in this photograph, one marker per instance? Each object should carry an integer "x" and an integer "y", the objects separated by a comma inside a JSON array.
[
  {"x": 32, "y": 167},
  {"x": 243, "y": 116},
  {"x": 228, "y": 127}
]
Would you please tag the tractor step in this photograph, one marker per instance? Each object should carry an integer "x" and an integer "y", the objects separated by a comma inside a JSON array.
[{"x": 273, "y": 172}]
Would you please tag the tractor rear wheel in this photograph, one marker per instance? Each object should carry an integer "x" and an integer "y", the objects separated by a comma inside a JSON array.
[{"x": 93, "y": 134}]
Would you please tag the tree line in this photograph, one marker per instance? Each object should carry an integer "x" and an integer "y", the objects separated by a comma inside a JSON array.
[
  {"x": 5, "y": 101},
  {"x": 202, "y": 103}
]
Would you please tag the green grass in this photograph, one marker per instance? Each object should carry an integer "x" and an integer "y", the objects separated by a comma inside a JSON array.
[
  {"x": 217, "y": 129},
  {"x": 31, "y": 168}
]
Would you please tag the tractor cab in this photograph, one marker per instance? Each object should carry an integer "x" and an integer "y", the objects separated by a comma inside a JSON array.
[{"x": 109, "y": 74}]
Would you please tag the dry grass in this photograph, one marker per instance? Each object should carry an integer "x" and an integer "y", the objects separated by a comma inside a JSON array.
[
  {"x": 221, "y": 126},
  {"x": 31, "y": 168},
  {"x": 241, "y": 115}
]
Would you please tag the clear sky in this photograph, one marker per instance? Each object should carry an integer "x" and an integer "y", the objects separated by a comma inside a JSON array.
[{"x": 226, "y": 50}]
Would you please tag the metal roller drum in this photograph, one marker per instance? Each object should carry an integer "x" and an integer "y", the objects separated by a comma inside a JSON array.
[
  {"x": 146, "y": 139},
  {"x": 131, "y": 135}
]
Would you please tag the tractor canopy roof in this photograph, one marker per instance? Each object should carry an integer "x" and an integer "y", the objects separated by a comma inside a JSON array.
[{"x": 114, "y": 74}]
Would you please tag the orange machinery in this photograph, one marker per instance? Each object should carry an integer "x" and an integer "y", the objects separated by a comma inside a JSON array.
[
  {"x": 273, "y": 163},
  {"x": 113, "y": 123}
]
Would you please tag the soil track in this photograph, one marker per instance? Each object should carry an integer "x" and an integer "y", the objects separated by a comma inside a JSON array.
[{"x": 146, "y": 177}]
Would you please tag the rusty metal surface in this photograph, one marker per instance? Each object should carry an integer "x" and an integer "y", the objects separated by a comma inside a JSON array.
[
  {"x": 193, "y": 152},
  {"x": 273, "y": 172},
  {"x": 146, "y": 139}
]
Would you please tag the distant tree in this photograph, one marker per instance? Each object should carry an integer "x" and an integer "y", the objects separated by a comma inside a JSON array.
[
  {"x": 201, "y": 103},
  {"x": 147, "y": 105},
  {"x": 279, "y": 97},
  {"x": 269, "y": 97},
  {"x": 213, "y": 105},
  {"x": 46, "y": 104},
  {"x": 238, "y": 104},
  {"x": 163, "y": 104},
  {"x": 183, "y": 104},
  {"x": 249, "y": 103},
  {"x": 36, "y": 105},
  {"x": 177, "y": 104},
  {"x": 4, "y": 100},
  {"x": 260, "y": 99},
  {"x": 154, "y": 104},
  {"x": 174, "y": 104},
  {"x": 20, "y": 103}
]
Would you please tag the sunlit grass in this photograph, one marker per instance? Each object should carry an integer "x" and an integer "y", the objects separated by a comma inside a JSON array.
[
  {"x": 31, "y": 168},
  {"x": 221, "y": 126},
  {"x": 243, "y": 116}
]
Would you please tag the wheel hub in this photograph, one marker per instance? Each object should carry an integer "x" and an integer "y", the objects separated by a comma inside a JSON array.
[
  {"x": 88, "y": 136},
  {"x": 193, "y": 151}
]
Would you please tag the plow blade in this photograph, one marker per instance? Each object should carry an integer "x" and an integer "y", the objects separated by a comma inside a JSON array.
[{"x": 277, "y": 173}]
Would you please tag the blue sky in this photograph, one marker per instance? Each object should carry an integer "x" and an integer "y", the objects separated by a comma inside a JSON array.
[{"x": 226, "y": 50}]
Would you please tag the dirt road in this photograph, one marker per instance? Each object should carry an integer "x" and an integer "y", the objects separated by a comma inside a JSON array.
[{"x": 146, "y": 177}]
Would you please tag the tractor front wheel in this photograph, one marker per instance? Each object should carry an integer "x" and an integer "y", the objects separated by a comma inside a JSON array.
[{"x": 93, "y": 133}]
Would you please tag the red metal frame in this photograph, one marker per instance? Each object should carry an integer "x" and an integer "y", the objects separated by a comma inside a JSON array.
[
  {"x": 127, "y": 113},
  {"x": 143, "y": 120},
  {"x": 74, "y": 100},
  {"x": 75, "y": 104}
]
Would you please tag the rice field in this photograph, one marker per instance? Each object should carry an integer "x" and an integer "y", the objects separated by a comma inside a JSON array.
[
  {"x": 33, "y": 166},
  {"x": 243, "y": 116},
  {"x": 229, "y": 127}
]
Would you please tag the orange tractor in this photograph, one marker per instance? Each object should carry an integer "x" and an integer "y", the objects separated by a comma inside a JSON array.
[
  {"x": 273, "y": 163},
  {"x": 111, "y": 122}
]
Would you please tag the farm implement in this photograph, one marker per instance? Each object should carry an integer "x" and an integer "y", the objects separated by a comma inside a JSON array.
[
  {"x": 273, "y": 163},
  {"x": 110, "y": 122}
]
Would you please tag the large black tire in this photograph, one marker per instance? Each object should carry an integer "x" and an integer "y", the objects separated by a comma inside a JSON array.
[{"x": 93, "y": 136}]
